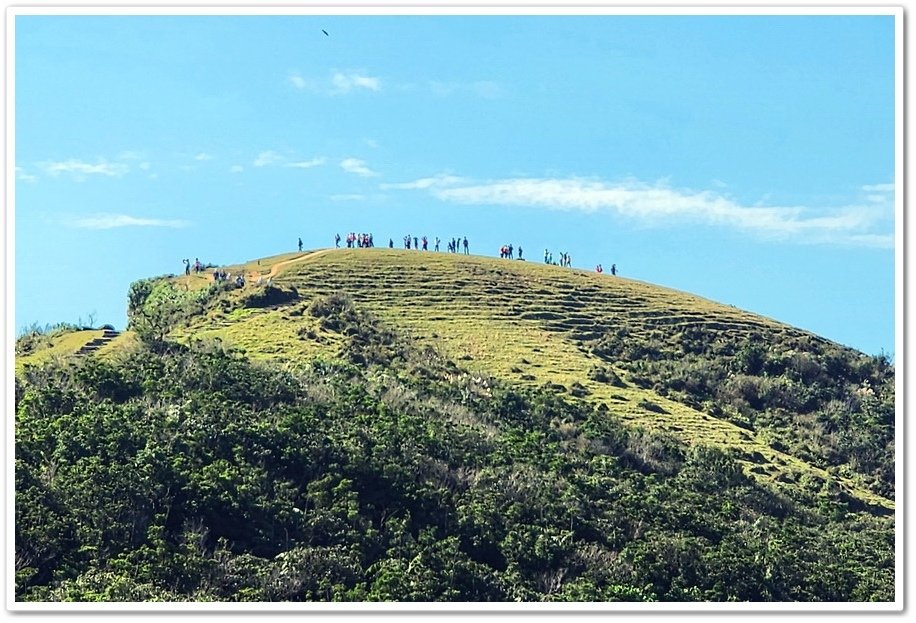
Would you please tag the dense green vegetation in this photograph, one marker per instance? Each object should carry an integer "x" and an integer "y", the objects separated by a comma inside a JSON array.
[
  {"x": 387, "y": 472},
  {"x": 828, "y": 405}
]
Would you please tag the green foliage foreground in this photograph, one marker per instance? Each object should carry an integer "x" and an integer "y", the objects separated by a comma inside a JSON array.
[{"x": 187, "y": 473}]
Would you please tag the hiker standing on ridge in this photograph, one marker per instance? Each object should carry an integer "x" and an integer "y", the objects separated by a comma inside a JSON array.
[
  {"x": 424, "y": 243},
  {"x": 187, "y": 267},
  {"x": 613, "y": 269},
  {"x": 466, "y": 245},
  {"x": 300, "y": 245},
  {"x": 519, "y": 251},
  {"x": 337, "y": 241},
  {"x": 437, "y": 244}
]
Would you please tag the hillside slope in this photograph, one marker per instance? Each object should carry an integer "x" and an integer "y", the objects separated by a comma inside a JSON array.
[
  {"x": 390, "y": 425},
  {"x": 538, "y": 325}
]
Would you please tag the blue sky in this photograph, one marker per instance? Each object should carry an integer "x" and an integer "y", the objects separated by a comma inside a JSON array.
[{"x": 747, "y": 159}]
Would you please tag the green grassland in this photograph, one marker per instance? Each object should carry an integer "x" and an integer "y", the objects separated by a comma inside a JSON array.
[
  {"x": 58, "y": 346},
  {"x": 524, "y": 322}
]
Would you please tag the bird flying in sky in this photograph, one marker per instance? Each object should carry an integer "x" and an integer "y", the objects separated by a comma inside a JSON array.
[{"x": 325, "y": 32}]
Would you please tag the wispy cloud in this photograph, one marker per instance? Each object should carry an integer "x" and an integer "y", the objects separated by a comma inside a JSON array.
[
  {"x": 347, "y": 82},
  {"x": 357, "y": 167},
  {"x": 266, "y": 158},
  {"x": 112, "y": 221},
  {"x": 426, "y": 182},
  {"x": 25, "y": 176},
  {"x": 659, "y": 204},
  {"x": 307, "y": 164},
  {"x": 298, "y": 81},
  {"x": 80, "y": 169},
  {"x": 348, "y": 197},
  {"x": 271, "y": 158},
  {"x": 203, "y": 156},
  {"x": 879, "y": 188},
  {"x": 236, "y": 168},
  {"x": 486, "y": 89},
  {"x": 337, "y": 83}
]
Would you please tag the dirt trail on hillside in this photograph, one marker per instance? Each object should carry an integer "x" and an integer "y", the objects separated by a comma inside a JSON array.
[{"x": 276, "y": 268}]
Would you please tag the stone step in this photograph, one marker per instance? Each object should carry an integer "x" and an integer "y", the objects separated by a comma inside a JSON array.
[{"x": 96, "y": 343}]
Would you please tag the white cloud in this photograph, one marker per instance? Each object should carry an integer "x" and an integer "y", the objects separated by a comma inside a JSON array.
[
  {"x": 266, "y": 158},
  {"x": 79, "y": 169},
  {"x": 879, "y": 188},
  {"x": 344, "y": 83},
  {"x": 203, "y": 156},
  {"x": 659, "y": 204},
  {"x": 22, "y": 174},
  {"x": 339, "y": 83},
  {"x": 236, "y": 168},
  {"x": 426, "y": 182},
  {"x": 298, "y": 81},
  {"x": 371, "y": 142},
  {"x": 307, "y": 164},
  {"x": 487, "y": 89},
  {"x": 144, "y": 166},
  {"x": 272, "y": 158},
  {"x": 357, "y": 167},
  {"x": 111, "y": 221}
]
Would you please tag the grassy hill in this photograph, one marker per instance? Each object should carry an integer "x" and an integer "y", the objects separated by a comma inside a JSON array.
[
  {"x": 531, "y": 324},
  {"x": 544, "y": 371}
]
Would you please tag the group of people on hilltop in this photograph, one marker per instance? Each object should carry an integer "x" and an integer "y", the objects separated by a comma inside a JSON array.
[
  {"x": 455, "y": 245},
  {"x": 415, "y": 242},
  {"x": 221, "y": 275},
  {"x": 198, "y": 267},
  {"x": 600, "y": 269},
  {"x": 507, "y": 252},
  {"x": 421, "y": 243},
  {"x": 354, "y": 240},
  {"x": 565, "y": 260}
]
